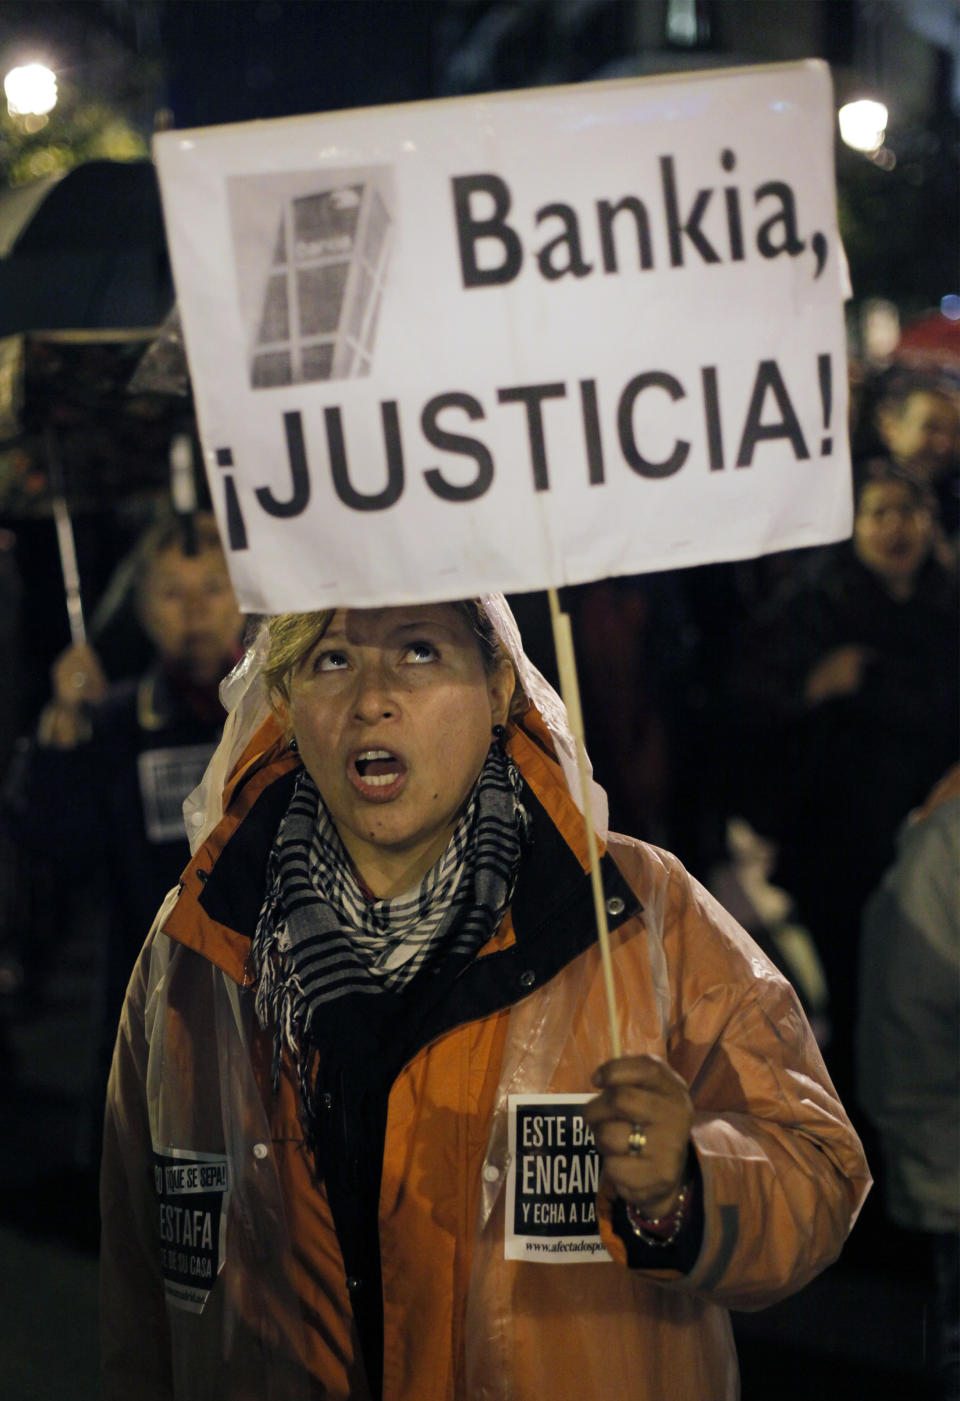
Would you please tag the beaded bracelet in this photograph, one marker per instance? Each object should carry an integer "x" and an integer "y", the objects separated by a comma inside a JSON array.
[{"x": 648, "y": 1229}]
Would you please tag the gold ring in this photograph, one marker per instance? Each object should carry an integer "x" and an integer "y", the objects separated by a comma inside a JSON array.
[{"x": 636, "y": 1141}]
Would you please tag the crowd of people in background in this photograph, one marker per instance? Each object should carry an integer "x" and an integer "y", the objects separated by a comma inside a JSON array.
[{"x": 774, "y": 722}]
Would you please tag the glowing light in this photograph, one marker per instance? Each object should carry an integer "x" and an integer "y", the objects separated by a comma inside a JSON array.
[
  {"x": 879, "y": 328},
  {"x": 863, "y": 124},
  {"x": 31, "y": 90},
  {"x": 950, "y": 306}
]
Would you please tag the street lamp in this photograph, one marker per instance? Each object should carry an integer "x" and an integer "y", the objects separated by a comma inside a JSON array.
[
  {"x": 31, "y": 92},
  {"x": 863, "y": 125}
]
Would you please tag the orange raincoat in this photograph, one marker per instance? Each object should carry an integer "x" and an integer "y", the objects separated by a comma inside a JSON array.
[{"x": 783, "y": 1174}]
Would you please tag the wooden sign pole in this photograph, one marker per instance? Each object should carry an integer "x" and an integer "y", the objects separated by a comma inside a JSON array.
[{"x": 570, "y": 689}]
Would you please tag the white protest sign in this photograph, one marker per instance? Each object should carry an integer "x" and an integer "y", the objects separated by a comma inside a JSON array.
[{"x": 515, "y": 341}]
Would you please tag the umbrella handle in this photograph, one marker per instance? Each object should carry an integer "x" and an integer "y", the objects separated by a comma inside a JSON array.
[
  {"x": 65, "y": 542},
  {"x": 71, "y": 575}
]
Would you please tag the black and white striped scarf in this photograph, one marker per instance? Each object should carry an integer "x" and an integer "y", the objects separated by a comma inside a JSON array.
[{"x": 320, "y": 939}]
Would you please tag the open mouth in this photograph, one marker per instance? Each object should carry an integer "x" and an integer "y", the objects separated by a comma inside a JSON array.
[{"x": 377, "y": 768}]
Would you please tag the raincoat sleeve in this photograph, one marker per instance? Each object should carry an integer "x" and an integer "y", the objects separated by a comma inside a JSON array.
[
  {"x": 783, "y": 1173},
  {"x": 134, "y": 1336}
]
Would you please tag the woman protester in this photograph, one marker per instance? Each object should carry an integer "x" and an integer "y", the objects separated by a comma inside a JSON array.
[{"x": 387, "y": 933}]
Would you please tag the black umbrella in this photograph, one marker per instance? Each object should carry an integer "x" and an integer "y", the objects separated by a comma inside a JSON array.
[
  {"x": 85, "y": 251},
  {"x": 84, "y": 287}
]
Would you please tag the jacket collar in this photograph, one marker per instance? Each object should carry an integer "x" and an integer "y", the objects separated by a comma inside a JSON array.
[{"x": 162, "y": 699}]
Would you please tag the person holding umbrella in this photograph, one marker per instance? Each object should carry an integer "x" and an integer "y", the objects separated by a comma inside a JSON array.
[
  {"x": 383, "y": 939},
  {"x": 98, "y": 795}
]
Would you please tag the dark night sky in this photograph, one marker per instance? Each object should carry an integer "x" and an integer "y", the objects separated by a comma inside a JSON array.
[
  {"x": 238, "y": 62},
  {"x": 241, "y": 61}
]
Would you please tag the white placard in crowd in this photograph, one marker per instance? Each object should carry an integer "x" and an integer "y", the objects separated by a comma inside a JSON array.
[{"x": 520, "y": 340}]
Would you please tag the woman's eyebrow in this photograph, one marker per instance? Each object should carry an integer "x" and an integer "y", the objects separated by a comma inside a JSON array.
[{"x": 424, "y": 624}]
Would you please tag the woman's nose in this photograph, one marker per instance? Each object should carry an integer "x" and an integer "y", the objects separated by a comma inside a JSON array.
[{"x": 374, "y": 699}]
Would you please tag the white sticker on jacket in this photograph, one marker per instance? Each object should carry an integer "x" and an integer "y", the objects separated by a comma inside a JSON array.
[
  {"x": 552, "y": 1179},
  {"x": 167, "y": 777},
  {"x": 192, "y": 1191}
]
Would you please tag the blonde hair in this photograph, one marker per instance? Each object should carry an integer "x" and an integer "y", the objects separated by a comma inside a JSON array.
[{"x": 292, "y": 636}]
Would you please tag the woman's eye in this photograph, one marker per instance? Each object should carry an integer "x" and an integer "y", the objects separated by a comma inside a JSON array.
[
  {"x": 420, "y": 652},
  {"x": 329, "y": 661}
]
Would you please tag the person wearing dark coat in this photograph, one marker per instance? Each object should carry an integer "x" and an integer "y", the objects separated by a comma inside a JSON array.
[{"x": 849, "y": 686}]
